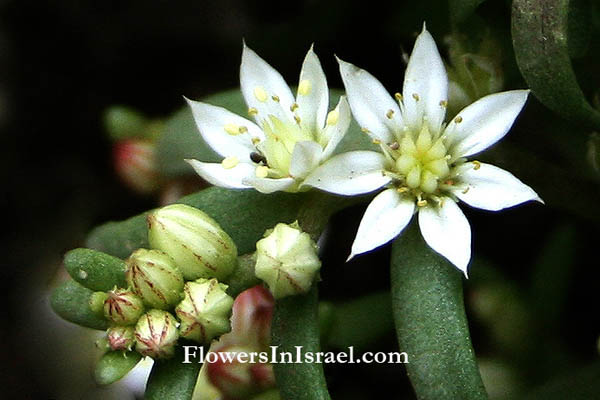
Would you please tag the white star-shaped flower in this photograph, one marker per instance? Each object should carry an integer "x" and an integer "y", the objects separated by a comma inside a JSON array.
[
  {"x": 291, "y": 136},
  {"x": 422, "y": 164}
]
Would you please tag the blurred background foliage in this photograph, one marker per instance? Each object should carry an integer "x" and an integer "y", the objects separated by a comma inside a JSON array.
[{"x": 532, "y": 294}]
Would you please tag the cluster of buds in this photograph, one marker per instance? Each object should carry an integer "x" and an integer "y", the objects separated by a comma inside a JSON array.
[
  {"x": 174, "y": 291},
  {"x": 187, "y": 246}
]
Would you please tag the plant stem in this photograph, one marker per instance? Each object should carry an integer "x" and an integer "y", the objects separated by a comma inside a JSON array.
[{"x": 431, "y": 324}]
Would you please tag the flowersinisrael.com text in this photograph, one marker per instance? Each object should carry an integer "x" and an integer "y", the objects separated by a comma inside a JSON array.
[{"x": 274, "y": 356}]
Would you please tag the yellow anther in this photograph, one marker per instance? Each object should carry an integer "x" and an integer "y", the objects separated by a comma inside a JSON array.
[
  {"x": 262, "y": 171},
  {"x": 466, "y": 190},
  {"x": 389, "y": 114},
  {"x": 260, "y": 94},
  {"x": 402, "y": 189},
  {"x": 444, "y": 103},
  {"x": 415, "y": 96},
  {"x": 458, "y": 119},
  {"x": 365, "y": 130},
  {"x": 293, "y": 107},
  {"x": 252, "y": 111},
  {"x": 255, "y": 140},
  {"x": 297, "y": 119},
  {"x": 422, "y": 203},
  {"x": 304, "y": 87},
  {"x": 275, "y": 98},
  {"x": 230, "y": 162},
  {"x": 242, "y": 129},
  {"x": 376, "y": 141},
  {"x": 232, "y": 129},
  {"x": 476, "y": 165},
  {"x": 398, "y": 96},
  {"x": 332, "y": 117}
]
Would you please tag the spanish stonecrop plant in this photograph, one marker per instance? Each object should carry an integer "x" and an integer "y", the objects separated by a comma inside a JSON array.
[{"x": 235, "y": 267}]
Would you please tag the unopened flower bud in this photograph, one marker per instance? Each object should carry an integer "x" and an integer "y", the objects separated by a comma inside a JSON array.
[
  {"x": 205, "y": 311},
  {"x": 135, "y": 163},
  {"x": 252, "y": 315},
  {"x": 155, "y": 278},
  {"x": 200, "y": 248},
  {"x": 287, "y": 260},
  {"x": 120, "y": 337},
  {"x": 156, "y": 334},
  {"x": 123, "y": 307},
  {"x": 97, "y": 300},
  {"x": 235, "y": 379}
]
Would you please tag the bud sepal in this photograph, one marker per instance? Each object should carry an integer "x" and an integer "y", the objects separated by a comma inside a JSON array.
[{"x": 123, "y": 307}]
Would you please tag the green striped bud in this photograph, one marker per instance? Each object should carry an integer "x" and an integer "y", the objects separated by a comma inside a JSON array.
[
  {"x": 155, "y": 278},
  {"x": 287, "y": 260},
  {"x": 123, "y": 307},
  {"x": 205, "y": 311},
  {"x": 199, "y": 246},
  {"x": 156, "y": 334}
]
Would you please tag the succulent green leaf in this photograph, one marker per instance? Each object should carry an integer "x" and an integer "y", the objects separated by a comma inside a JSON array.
[
  {"x": 171, "y": 379},
  {"x": 114, "y": 365},
  {"x": 431, "y": 324},
  {"x": 95, "y": 270},
  {"x": 295, "y": 323},
  {"x": 70, "y": 300},
  {"x": 543, "y": 33}
]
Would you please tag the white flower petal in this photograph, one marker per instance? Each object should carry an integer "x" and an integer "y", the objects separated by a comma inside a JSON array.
[
  {"x": 371, "y": 103},
  {"x": 334, "y": 133},
  {"x": 305, "y": 158},
  {"x": 447, "y": 231},
  {"x": 492, "y": 188},
  {"x": 425, "y": 84},
  {"x": 269, "y": 185},
  {"x": 484, "y": 122},
  {"x": 259, "y": 83},
  {"x": 231, "y": 178},
  {"x": 313, "y": 95},
  {"x": 386, "y": 216},
  {"x": 355, "y": 172},
  {"x": 213, "y": 122}
]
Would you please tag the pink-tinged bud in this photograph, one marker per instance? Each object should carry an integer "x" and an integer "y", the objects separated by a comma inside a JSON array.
[
  {"x": 252, "y": 314},
  {"x": 120, "y": 337},
  {"x": 233, "y": 373},
  {"x": 135, "y": 163},
  {"x": 156, "y": 334},
  {"x": 123, "y": 307}
]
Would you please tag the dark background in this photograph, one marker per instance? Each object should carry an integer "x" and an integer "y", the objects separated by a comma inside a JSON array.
[{"x": 63, "y": 63}]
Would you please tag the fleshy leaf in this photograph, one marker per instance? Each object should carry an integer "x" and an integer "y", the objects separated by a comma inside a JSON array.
[
  {"x": 70, "y": 301},
  {"x": 114, "y": 365},
  {"x": 95, "y": 270},
  {"x": 428, "y": 309},
  {"x": 540, "y": 31},
  {"x": 172, "y": 379}
]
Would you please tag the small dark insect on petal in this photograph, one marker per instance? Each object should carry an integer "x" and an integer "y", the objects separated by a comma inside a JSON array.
[{"x": 258, "y": 158}]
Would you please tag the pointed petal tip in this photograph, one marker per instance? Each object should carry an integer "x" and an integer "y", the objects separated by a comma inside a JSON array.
[
  {"x": 424, "y": 27},
  {"x": 539, "y": 200},
  {"x": 350, "y": 257}
]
